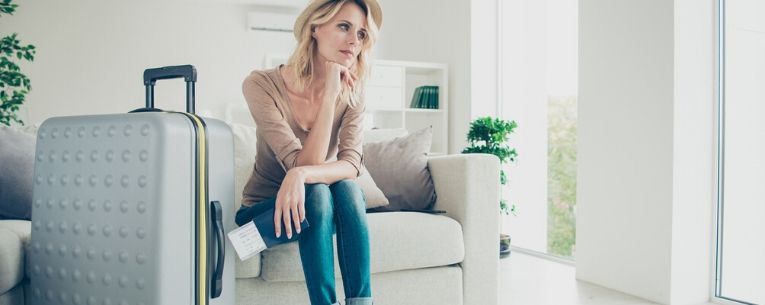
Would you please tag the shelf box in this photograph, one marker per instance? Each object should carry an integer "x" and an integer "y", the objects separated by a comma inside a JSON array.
[
  {"x": 383, "y": 98},
  {"x": 386, "y": 76}
]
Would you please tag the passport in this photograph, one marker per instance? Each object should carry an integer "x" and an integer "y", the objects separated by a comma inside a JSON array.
[{"x": 265, "y": 224}]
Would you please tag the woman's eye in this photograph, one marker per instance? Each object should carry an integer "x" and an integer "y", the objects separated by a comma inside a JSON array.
[
  {"x": 343, "y": 26},
  {"x": 362, "y": 35}
]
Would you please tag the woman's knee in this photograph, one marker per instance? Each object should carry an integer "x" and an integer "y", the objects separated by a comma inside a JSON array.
[
  {"x": 318, "y": 201},
  {"x": 347, "y": 187},
  {"x": 350, "y": 193}
]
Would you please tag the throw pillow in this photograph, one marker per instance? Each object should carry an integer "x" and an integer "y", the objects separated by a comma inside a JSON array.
[
  {"x": 245, "y": 140},
  {"x": 17, "y": 154},
  {"x": 372, "y": 193},
  {"x": 383, "y": 134},
  {"x": 400, "y": 169}
]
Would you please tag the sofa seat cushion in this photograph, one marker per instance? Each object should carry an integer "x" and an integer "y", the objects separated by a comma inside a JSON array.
[
  {"x": 11, "y": 257},
  {"x": 14, "y": 238},
  {"x": 22, "y": 228},
  {"x": 398, "y": 241},
  {"x": 249, "y": 268}
]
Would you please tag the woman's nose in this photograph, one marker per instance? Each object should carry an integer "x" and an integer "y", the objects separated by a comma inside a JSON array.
[{"x": 353, "y": 40}]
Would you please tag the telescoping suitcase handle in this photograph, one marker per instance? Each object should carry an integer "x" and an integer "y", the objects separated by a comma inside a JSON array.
[{"x": 187, "y": 72}]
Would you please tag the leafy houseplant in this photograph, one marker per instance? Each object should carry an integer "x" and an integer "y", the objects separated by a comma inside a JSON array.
[
  {"x": 14, "y": 85},
  {"x": 489, "y": 136}
]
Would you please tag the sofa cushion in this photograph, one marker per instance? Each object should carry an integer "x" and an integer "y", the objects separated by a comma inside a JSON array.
[
  {"x": 373, "y": 195},
  {"x": 14, "y": 239},
  {"x": 11, "y": 260},
  {"x": 249, "y": 268},
  {"x": 17, "y": 156},
  {"x": 245, "y": 138},
  {"x": 398, "y": 241},
  {"x": 22, "y": 228},
  {"x": 383, "y": 134}
]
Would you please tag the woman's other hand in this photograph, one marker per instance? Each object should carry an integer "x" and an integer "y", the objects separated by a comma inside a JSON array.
[{"x": 290, "y": 202}]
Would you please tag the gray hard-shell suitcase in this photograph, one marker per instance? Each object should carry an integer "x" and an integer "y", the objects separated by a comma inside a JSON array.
[{"x": 131, "y": 209}]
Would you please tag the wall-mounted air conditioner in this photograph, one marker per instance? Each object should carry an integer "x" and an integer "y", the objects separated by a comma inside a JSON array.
[{"x": 271, "y": 21}]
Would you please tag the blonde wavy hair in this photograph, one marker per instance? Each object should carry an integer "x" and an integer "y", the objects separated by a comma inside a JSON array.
[{"x": 301, "y": 61}]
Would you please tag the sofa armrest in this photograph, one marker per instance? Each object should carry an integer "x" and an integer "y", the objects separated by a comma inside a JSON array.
[{"x": 467, "y": 188}]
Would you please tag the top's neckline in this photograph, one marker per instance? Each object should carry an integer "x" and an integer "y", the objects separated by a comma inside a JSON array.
[{"x": 287, "y": 99}]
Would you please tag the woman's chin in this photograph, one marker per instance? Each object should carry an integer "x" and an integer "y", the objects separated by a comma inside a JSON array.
[{"x": 346, "y": 62}]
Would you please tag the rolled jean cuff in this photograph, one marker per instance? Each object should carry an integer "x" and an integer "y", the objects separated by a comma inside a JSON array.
[{"x": 359, "y": 301}]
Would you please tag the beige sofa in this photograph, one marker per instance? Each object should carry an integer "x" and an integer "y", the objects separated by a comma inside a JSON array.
[{"x": 417, "y": 258}]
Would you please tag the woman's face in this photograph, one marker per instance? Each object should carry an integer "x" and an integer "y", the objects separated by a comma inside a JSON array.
[{"x": 340, "y": 40}]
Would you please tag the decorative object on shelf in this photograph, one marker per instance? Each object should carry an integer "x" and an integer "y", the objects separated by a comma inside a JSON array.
[
  {"x": 14, "y": 85},
  {"x": 488, "y": 135},
  {"x": 425, "y": 97}
]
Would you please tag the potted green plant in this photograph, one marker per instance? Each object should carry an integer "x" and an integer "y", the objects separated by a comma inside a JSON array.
[
  {"x": 14, "y": 85},
  {"x": 489, "y": 135}
]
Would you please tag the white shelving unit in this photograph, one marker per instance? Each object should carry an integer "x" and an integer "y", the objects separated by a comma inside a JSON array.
[{"x": 389, "y": 93}]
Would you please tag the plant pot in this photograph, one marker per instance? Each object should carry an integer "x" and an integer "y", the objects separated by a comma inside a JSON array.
[{"x": 504, "y": 245}]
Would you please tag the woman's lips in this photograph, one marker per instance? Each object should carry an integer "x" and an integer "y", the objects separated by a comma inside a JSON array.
[{"x": 347, "y": 53}]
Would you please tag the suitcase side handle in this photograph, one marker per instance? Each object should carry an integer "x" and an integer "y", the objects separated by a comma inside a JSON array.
[
  {"x": 217, "y": 282},
  {"x": 187, "y": 72}
]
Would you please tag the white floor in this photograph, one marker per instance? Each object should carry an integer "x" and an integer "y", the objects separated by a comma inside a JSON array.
[{"x": 530, "y": 280}]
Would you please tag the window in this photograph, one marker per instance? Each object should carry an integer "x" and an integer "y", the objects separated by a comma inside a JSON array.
[{"x": 538, "y": 51}]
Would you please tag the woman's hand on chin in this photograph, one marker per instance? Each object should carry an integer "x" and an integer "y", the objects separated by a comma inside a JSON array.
[{"x": 337, "y": 76}]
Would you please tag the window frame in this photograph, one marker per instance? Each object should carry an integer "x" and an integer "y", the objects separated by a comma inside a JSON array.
[{"x": 719, "y": 175}]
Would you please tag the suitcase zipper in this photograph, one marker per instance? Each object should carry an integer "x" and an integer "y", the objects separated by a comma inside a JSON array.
[{"x": 202, "y": 234}]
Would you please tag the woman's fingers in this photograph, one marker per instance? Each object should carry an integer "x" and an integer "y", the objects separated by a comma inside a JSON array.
[
  {"x": 301, "y": 211},
  {"x": 287, "y": 222},
  {"x": 348, "y": 77},
  {"x": 296, "y": 218},
  {"x": 278, "y": 219}
]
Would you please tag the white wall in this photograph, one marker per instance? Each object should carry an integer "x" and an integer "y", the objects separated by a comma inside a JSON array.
[
  {"x": 92, "y": 53},
  {"x": 693, "y": 183},
  {"x": 645, "y": 149},
  {"x": 484, "y": 67}
]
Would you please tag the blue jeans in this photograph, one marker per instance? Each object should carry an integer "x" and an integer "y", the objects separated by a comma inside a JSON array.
[{"x": 337, "y": 208}]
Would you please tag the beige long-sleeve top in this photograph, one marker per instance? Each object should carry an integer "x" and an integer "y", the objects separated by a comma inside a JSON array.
[{"x": 280, "y": 138}]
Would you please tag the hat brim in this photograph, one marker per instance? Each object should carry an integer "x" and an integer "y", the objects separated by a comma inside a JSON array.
[{"x": 302, "y": 19}]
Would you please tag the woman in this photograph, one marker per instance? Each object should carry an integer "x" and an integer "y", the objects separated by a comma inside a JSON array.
[{"x": 309, "y": 122}]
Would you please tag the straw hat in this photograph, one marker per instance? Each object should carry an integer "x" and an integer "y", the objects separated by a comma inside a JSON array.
[{"x": 313, "y": 5}]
